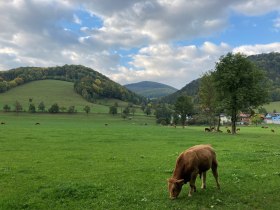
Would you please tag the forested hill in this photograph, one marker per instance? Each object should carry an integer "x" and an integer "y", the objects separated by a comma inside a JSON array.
[
  {"x": 191, "y": 89},
  {"x": 270, "y": 63},
  {"x": 88, "y": 83},
  {"x": 151, "y": 89}
]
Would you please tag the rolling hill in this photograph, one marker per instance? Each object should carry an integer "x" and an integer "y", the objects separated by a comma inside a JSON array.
[
  {"x": 49, "y": 92},
  {"x": 151, "y": 89},
  {"x": 270, "y": 63},
  {"x": 87, "y": 82}
]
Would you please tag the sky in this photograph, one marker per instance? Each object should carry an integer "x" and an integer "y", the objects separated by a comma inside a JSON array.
[{"x": 167, "y": 41}]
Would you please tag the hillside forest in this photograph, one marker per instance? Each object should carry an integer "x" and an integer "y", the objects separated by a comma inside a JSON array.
[{"x": 90, "y": 84}]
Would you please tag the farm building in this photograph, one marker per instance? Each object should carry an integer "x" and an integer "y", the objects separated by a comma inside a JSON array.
[{"x": 273, "y": 118}]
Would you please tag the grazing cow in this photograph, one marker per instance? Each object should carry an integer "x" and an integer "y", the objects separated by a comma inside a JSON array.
[
  {"x": 228, "y": 131},
  {"x": 207, "y": 129},
  {"x": 106, "y": 124},
  {"x": 3, "y": 123},
  {"x": 195, "y": 160},
  {"x": 238, "y": 129},
  {"x": 272, "y": 130},
  {"x": 37, "y": 123}
]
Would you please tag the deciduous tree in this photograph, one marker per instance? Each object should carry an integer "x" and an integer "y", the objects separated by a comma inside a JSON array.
[{"x": 240, "y": 85}]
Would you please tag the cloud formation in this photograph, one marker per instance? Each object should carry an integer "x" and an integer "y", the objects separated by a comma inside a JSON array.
[{"x": 152, "y": 34}]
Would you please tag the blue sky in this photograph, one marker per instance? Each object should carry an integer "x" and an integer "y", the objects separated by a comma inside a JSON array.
[{"x": 167, "y": 41}]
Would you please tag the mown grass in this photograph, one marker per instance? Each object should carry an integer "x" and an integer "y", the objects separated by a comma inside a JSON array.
[{"x": 77, "y": 162}]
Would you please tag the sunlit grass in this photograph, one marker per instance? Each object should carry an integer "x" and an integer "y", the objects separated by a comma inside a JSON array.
[{"x": 77, "y": 162}]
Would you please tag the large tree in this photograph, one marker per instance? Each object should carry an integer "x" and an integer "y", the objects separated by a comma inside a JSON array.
[
  {"x": 240, "y": 85},
  {"x": 184, "y": 108},
  {"x": 208, "y": 99}
]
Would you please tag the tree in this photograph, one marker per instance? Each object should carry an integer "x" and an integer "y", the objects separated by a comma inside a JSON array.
[
  {"x": 184, "y": 108},
  {"x": 18, "y": 107},
  {"x": 41, "y": 106},
  {"x": 163, "y": 114},
  {"x": 256, "y": 119},
  {"x": 113, "y": 110},
  {"x": 6, "y": 108},
  {"x": 240, "y": 85},
  {"x": 148, "y": 110},
  {"x": 32, "y": 108},
  {"x": 54, "y": 108},
  {"x": 87, "y": 109},
  {"x": 208, "y": 99},
  {"x": 71, "y": 109}
]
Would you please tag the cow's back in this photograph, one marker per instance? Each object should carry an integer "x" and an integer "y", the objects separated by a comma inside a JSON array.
[{"x": 200, "y": 156}]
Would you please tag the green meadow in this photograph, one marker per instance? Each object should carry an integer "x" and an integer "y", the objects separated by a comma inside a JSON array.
[
  {"x": 50, "y": 92},
  {"x": 78, "y": 162}
]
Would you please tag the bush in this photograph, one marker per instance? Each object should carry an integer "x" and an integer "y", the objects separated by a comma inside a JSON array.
[{"x": 54, "y": 108}]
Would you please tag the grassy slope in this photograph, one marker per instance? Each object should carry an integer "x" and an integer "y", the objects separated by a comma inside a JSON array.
[
  {"x": 75, "y": 162},
  {"x": 272, "y": 106},
  {"x": 50, "y": 92}
]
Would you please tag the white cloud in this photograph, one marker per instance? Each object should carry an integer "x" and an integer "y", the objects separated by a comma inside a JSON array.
[
  {"x": 32, "y": 33},
  {"x": 175, "y": 66},
  {"x": 276, "y": 23},
  {"x": 257, "y": 7},
  {"x": 77, "y": 20},
  {"x": 258, "y": 48}
]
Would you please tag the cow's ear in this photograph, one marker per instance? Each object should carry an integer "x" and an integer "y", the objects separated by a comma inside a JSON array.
[{"x": 180, "y": 181}]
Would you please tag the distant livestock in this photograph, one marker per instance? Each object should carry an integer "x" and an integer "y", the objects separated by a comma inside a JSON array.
[
  {"x": 106, "y": 124},
  {"x": 238, "y": 129},
  {"x": 37, "y": 123},
  {"x": 3, "y": 123},
  {"x": 195, "y": 160},
  {"x": 207, "y": 130},
  {"x": 272, "y": 130},
  {"x": 228, "y": 131}
]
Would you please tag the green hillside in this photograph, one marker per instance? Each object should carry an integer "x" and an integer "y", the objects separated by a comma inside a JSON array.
[
  {"x": 272, "y": 106},
  {"x": 50, "y": 92},
  {"x": 269, "y": 63},
  {"x": 87, "y": 82},
  {"x": 191, "y": 89},
  {"x": 150, "y": 89}
]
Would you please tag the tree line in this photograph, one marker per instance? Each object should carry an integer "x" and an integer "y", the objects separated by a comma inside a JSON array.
[{"x": 235, "y": 85}]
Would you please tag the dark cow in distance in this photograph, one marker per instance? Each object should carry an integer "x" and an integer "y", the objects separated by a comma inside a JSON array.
[
  {"x": 207, "y": 130},
  {"x": 195, "y": 160}
]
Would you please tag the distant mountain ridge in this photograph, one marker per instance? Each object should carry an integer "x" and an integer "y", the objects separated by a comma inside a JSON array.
[
  {"x": 151, "y": 89},
  {"x": 268, "y": 62}
]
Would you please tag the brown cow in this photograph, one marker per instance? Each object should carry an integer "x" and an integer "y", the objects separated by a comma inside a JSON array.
[{"x": 195, "y": 160}]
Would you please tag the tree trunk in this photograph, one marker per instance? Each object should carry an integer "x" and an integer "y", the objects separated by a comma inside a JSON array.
[
  {"x": 219, "y": 122},
  {"x": 233, "y": 122}
]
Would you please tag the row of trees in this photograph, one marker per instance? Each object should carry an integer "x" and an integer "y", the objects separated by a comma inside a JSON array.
[{"x": 54, "y": 108}]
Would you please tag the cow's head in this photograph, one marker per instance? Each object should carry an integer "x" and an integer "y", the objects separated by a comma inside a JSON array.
[{"x": 174, "y": 187}]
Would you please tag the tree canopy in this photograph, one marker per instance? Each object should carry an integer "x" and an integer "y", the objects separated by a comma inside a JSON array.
[{"x": 240, "y": 85}]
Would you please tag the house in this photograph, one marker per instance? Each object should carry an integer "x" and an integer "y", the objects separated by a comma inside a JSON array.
[
  {"x": 273, "y": 118},
  {"x": 244, "y": 119},
  {"x": 224, "y": 119}
]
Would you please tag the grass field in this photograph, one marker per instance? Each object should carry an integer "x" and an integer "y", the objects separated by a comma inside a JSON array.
[
  {"x": 272, "y": 106},
  {"x": 53, "y": 91},
  {"x": 76, "y": 162}
]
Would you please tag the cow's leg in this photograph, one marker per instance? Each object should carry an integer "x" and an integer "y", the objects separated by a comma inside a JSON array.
[
  {"x": 203, "y": 185},
  {"x": 192, "y": 183},
  {"x": 215, "y": 172}
]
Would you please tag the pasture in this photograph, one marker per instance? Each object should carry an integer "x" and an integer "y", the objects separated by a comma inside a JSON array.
[{"x": 77, "y": 162}]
